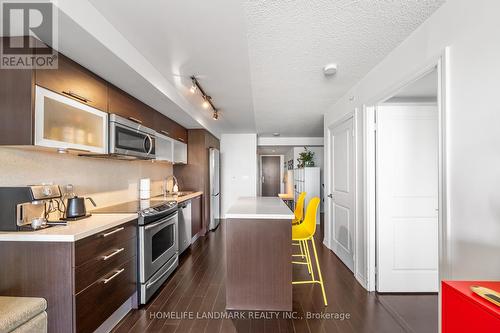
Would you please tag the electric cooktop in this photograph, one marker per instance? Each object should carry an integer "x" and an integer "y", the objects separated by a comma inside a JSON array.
[{"x": 158, "y": 204}]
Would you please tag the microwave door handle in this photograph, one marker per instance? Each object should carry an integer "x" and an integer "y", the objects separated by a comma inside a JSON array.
[{"x": 150, "y": 139}]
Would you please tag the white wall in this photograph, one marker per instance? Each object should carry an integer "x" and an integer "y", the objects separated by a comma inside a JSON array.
[
  {"x": 238, "y": 167},
  {"x": 107, "y": 181},
  {"x": 472, "y": 30}
]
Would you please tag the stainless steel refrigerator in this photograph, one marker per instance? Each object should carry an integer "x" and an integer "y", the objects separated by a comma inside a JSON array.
[{"x": 214, "y": 161}]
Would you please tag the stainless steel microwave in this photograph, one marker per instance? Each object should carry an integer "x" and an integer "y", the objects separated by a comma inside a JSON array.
[{"x": 128, "y": 139}]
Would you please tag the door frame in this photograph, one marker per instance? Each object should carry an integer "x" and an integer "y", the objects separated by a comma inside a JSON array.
[
  {"x": 282, "y": 160},
  {"x": 329, "y": 184},
  {"x": 369, "y": 178}
]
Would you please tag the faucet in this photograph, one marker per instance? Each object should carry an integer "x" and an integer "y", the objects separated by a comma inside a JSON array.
[{"x": 165, "y": 184}]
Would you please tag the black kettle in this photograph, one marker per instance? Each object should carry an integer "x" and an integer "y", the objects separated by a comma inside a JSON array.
[{"x": 75, "y": 207}]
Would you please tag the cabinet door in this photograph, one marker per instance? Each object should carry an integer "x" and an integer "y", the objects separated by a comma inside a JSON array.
[
  {"x": 128, "y": 107},
  {"x": 61, "y": 122},
  {"x": 164, "y": 150},
  {"x": 76, "y": 82},
  {"x": 180, "y": 152},
  {"x": 170, "y": 128},
  {"x": 196, "y": 216},
  {"x": 179, "y": 132},
  {"x": 101, "y": 299}
]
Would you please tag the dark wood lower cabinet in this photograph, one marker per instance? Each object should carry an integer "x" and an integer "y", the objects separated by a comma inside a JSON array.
[
  {"x": 83, "y": 282},
  {"x": 196, "y": 218},
  {"x": 97, "y": 302},
  {"x": 258, "y": 264}
]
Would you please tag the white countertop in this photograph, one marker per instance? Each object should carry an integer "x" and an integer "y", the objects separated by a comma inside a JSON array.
[
  {"x": 259, "y": 208},
  {"x": 72, "y": 232}
]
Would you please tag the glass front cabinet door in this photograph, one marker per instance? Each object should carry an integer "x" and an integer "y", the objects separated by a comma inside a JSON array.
[{"x": 64, "y": 123}]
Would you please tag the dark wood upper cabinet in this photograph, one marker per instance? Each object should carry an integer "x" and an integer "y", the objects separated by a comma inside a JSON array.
[
  {"x": 17, "y": 100},
  {"x": 74, "y": 81},
  {"x": 168, "y": 127},
  {"x": 124, "y": 105}
]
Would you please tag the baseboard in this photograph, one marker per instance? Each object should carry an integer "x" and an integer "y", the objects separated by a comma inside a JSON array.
[
  {"x": 118, "y": 315},
  {"x": 195, "y": 238},
  {"x": 362, "y": 280}
]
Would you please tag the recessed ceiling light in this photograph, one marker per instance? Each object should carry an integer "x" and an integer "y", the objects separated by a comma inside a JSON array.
[
  {"x": 276, "y": 134},
  {"x": 330, "y": 69}
]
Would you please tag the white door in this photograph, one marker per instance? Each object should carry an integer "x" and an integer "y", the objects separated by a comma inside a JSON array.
[
  {"x": 342, "y": 197},
  {"x": 407, "y": 198}
]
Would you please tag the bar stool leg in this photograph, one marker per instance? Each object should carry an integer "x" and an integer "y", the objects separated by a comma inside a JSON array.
[
  {"x": 319, "y": 272},
  {"x": 309, "y": 261}
]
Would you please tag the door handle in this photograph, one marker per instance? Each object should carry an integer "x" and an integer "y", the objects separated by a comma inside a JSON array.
[
  {"x": 106, "y": 257},
  {"x": 78, "y": 97},
  {"x": 113, "y": 276},
  {"x": 112, "y": 232},
  {"x": 150, "y": 139},
  {"x": 135, "y": 120},
  {"x": 330, "y": 195}
]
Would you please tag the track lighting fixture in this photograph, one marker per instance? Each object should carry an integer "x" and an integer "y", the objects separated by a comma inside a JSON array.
[
  {"x": 193, "y": 86},
  {"x": 207, "y": 100}
]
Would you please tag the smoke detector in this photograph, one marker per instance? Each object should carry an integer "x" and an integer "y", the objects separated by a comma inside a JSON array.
[{"x": 330, "y": 69}]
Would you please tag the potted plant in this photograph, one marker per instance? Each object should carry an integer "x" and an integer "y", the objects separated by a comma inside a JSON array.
[{"x": 306, "y": 158}]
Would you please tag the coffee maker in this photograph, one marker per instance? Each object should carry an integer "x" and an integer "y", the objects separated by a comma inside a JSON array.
[{"x": 28, "y": 208}]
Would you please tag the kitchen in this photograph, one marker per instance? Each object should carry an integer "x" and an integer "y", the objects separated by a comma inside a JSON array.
[
  {"x": 95, "y": 175},
  {"x": 187, "y": 166}
]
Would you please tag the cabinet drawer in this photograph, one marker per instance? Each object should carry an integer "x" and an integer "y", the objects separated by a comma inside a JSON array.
[
  {"x": 106, "y": 241},
  {"x": 97, "y": 302},
  {"x": 100, "y": 265},
  {"x": 74, "y": 81}
]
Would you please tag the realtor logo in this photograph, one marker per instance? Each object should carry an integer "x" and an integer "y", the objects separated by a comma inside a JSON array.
[{"x": 25, "y": 24}]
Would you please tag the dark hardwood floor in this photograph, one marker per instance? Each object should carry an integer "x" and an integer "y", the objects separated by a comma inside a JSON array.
[{"x": 197, "y": 289}]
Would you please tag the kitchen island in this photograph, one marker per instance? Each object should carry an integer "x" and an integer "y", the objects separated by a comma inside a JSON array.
[{"x": 259, "y": 254}]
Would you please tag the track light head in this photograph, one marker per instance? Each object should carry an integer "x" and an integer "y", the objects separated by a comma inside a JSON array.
[
  {"x": 206, "y": 103},
  {"x": 215, "y": 115}
]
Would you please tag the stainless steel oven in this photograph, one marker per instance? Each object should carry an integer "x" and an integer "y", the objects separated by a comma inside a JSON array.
[
  {"x": 130, "y": 138},
  {"x": 158, "y": 251}
]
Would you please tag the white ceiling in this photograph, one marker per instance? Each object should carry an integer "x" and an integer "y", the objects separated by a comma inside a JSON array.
[{"x": 261, "y": 61}]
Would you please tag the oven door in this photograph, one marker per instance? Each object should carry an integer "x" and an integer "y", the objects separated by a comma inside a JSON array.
[
  {"x": 126, "y": 140},
  {"x": 157, "y": 244}
]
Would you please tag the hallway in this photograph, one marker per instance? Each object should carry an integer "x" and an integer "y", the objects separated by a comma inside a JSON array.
[{"x": 197, "y": 288}]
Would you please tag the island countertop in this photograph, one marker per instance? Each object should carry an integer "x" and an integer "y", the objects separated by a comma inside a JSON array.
[
  {"x": 259, "y": 208},
  {"x": 75, "y": 230}
]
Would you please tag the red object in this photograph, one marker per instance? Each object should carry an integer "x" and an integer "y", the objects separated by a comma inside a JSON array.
[{"x": 464, "y": 311}]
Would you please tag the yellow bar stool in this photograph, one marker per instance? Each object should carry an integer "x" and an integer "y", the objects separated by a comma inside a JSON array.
[
  {"x": 299, "y": 216},
  {"x": 299, "y": 208},
  {"x": 304, "y": 233}
]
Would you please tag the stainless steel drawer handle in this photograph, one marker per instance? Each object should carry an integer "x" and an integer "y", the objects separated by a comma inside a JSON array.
[
  {"x": 165, "y": 132},
  {"x": 135, "y": 120},
  {"x": 181, "y": 139},
  {"x": 106, "y": 257},
  {"x": 113, "y": 276},
  {"x": 112, "y": 232},
  {"x": 74, "y": 95},
  {"x": 152, "y": 283}
]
